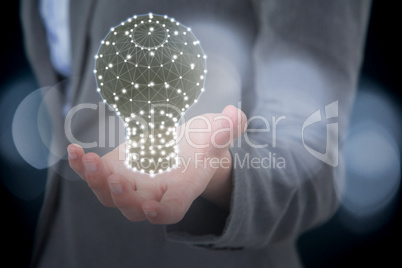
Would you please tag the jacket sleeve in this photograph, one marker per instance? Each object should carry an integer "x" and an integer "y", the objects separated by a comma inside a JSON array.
[{"x": 286, "y": 167}]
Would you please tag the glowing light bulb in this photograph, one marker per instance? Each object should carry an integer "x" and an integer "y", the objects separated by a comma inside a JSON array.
[{"x": 150, "y": 73}]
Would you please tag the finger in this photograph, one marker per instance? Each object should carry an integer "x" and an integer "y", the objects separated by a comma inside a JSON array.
[
  {"x": 75, "y": 154},
  {"x": 125, "y": 197},
  {"x": 174, "y": 204},
  {"x": 238, "y": 117},
  {"x": 228, "y": 127},
  {"x": 96, "y": 176}
]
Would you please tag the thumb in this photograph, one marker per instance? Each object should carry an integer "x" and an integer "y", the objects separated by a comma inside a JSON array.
[{"x": 228, "y": 126}]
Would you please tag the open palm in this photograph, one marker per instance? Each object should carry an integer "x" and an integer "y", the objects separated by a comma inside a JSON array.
[{"x": 165, "y": 198}]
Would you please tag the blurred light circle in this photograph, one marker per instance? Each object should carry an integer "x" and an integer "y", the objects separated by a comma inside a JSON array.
[
  {"x": 372, "y": 161},
  {"x": 28, "y": 130},
  {"x": 372, "y": 167}
]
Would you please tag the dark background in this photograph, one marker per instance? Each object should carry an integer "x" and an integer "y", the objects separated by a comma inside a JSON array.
[{"x": 330, "y": 245}]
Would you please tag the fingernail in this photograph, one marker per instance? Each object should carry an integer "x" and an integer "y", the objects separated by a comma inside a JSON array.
[
  {"x": 72, "y": 154},
  {"x": 115, "y": 187},
  {"x": 150, "y": 213},
  {"x": 90, "y": 166}
]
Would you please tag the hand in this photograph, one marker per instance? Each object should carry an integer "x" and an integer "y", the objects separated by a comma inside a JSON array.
[{"x": 165, "y": 198}]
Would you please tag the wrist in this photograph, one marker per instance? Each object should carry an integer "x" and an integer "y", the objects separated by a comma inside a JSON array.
[{"x": 219, "y": 189}]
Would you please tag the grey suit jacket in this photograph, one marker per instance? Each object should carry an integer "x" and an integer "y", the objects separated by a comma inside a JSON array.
[{"x": 284, "y": 60}]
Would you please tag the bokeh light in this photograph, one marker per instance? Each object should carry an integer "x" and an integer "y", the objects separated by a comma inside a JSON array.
[{"x": 372, "y": 160}]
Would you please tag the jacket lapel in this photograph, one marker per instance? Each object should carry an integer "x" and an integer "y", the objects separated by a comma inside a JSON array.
[
  {"x": 79, "y": 21},
  {"x": 35, "y": 41}
]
